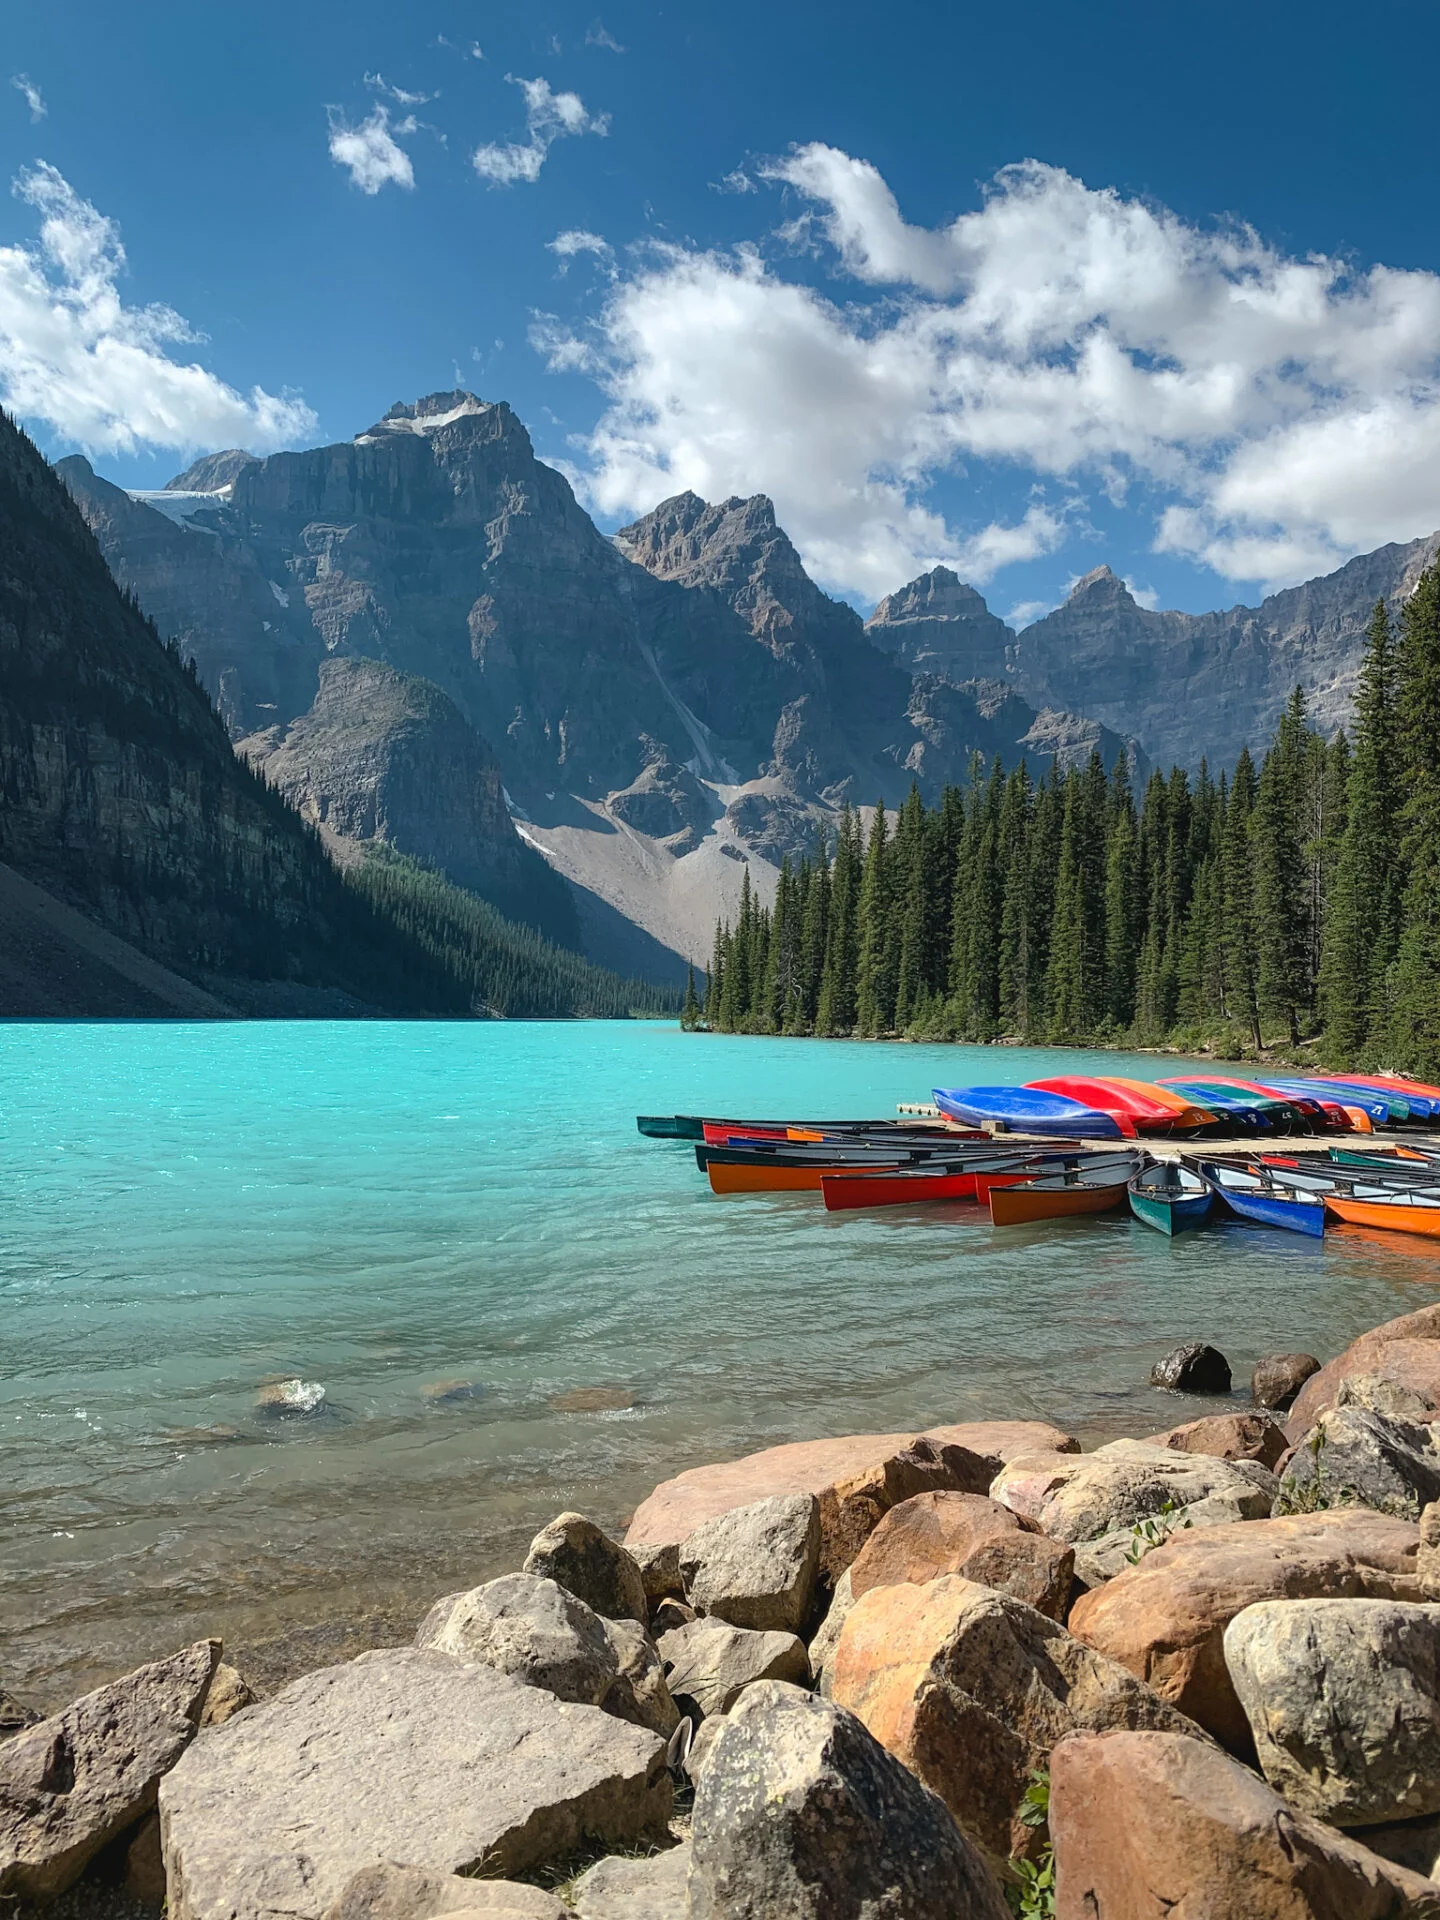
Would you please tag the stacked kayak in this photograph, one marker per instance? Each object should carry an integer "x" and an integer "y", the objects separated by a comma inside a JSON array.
[
  {"x": 1148, "y": 1107},
  {"x": 1032, "y": 1110}
]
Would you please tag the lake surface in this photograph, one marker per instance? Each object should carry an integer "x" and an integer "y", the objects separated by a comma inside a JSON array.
[{"x": 187, "y": 1212}]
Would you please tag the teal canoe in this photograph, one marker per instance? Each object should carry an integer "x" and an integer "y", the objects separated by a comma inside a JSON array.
[{"x": 1170, "y": 1198}]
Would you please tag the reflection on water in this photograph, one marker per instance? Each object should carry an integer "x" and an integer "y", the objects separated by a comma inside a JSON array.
[{"x": 513, "y": 1303}]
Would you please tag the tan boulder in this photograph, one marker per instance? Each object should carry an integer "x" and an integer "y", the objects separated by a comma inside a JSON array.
[
  {"x": 1165, "y": 1619},
  {"x": 1152, "y": 1824},
  {"x": 855, "y": 1479},
  {"x": 972, "y": 1689},
  {"x": 968, "y": 1534},
  {"x": 1125, "y": 1483},
  {"x": 1229, "y": 1436},
  {"x": 1406, "y": 1350}
]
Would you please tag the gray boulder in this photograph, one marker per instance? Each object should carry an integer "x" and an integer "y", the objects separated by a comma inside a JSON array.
[
  {"x": 390, "y": 1892},
  {"x": 702, "y": 1746},
  {"x": 403, "y": 1754},
  {"x": 573, "y": 1552},
  {"x": 638, "y": 1692},
  {"x": 650, "y": 1888},
  {"x": 1343, "y": 1698},
  {"x": 801, "y": 1813},
  {"x": 1356, "y": 1457},
  {"x": 1127, "y": 1483},
  {"x": 1278, "y": 1377},
  {"x": 70, "y": 1784},
  {"x": 710, "y": 1664},
  {"x": 659, "y": 1566},
  {"x": 532, "y": 1630},
  {"x": 827, "y": 1636},
  {"x": 1097, "y": 1561},
  {"x": 13, "y": 1717},
  {"x": 755, "y": 1566}
]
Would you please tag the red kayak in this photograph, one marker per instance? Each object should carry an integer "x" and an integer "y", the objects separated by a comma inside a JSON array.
[{"x": 1157, "y": 1111}]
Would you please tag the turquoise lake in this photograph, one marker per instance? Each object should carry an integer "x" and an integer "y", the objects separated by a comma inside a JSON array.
[{"x": 187, "y": 1212}]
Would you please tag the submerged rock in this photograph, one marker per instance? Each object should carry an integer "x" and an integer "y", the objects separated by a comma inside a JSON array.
[
  {"x": 1279, "y": 1377},
  {"x": 593, "y": 1400},
  {"x": 290, "y": 1400},
  {"x": 1196, "y": 1368}
]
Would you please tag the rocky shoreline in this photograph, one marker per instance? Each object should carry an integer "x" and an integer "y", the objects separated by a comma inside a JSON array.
[{"x": 949, "y": 1675}]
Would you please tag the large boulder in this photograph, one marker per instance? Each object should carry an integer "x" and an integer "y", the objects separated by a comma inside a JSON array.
[
  {"x": 755, "y": 1566},
  {"x": 855, "y": 1479},
  {"x": 407, "y": 1754},
  {"x": 386, "y": 1891},
  {"x": 13, "y": 1716},
  {"x": 968, "y": 1534},
  {"x": 531, "y": 1629},
  {"x": 1406, "y": 1351},
  {"x": 1195, "y": 1368},
  {"x": 709, "y": 1664},
  {"x": 799, "y": 1814},
  {"x": 972, "y": 1689},
  {"x": 638, "y": 1692},
  {"x": 651, "y": 1887},
  {"x": 1278, "y": 1377},
  {"x": 1123, "y": 1484},
  {"x": 574, "y": 1553},
  {"x": 1097, "y": 1561},
  {"x": 72, "y": 1783},
  {"x": 1229, "y": 1436},
  {"x": 1148, "y": 1824},
  {"x": 1354, "y": 1457},
  {"x": 1343, "y": 1699},
  {"x": 1165, "y": 1618},
  {"x": 827, "y": 1635}
]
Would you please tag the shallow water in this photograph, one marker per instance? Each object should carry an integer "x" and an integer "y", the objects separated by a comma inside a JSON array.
[{"x": 188, "y": 1211}]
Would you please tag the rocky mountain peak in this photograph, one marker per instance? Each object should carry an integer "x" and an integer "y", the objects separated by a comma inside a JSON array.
[
  {"x": 937, "y": 624},
  {"x": 211, "y": 472},
  {"x": 1101, "y": 586},
  {"x": 939, "y": 594}
]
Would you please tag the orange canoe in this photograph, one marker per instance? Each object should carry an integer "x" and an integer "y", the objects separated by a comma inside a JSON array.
[
  {"x": 1409, "y": 1214},
  {"x": 757, "y": 1177},
  {"x": 1038, "y": 1200}
]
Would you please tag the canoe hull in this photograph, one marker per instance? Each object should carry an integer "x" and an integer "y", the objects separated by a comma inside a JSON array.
[
  {"x": 1028, "y": 1111},
  {"x": 1017, "y": 1206},
  {"x": 1270, "y": 1210},
  {"x": 1394, "y": 1218},
  {"x": 1180, "y": 1213},
  {"x": 846, "y": 1191},
  {"x": 727, "y": 1177}
]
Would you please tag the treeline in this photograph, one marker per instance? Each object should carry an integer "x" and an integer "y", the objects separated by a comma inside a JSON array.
[
  {"x": 494, "y": 966},
  {"x": 1291, "y": 902}
]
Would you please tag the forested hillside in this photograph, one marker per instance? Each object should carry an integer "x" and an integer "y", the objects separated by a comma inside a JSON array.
[{"x": 1293, "y": 900}]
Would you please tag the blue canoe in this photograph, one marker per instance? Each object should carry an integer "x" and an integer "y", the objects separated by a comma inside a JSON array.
[
  {"x": 1337, "y": 1094},
  {"x": 1028, "y": 1110},
  {"x": 1171, "y": 1198},
  {"x": 1257, "y": 1197}
]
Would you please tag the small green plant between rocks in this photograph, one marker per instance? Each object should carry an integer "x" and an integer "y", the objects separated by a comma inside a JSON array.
[
  {"x": 1032, "y": 1892},
  {"x": 1155, "y": 1531}
]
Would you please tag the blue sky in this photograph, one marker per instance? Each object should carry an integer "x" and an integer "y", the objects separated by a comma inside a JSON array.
[{"x": 1197, "y": 338}]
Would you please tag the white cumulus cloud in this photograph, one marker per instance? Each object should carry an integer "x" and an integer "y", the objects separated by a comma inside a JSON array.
[
  {"x": 549, "y": 117},
  {"x": 371, "y": 151},
  {"x": 98, "y": 372},
  {"x": 34, "y": 99},
  {"x": 1283, "y": 412}
]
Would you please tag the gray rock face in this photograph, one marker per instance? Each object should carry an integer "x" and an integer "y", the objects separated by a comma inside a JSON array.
[
  {"x": 1192, "y": 1369},
  {"x": 211, "y": 472},
  {"x": 1129, "y": 1481},
  {"x": 532, "y": 1630},
  {"x": 1278, "y": 1377},
  {"x": 1355, "y": 1458},
  {"x": 711, "y": 1664},
  {"x": 659, "y": 1570},
  {"x": 1343, "y": 1698},
  {"x": 1099, "y": 1560},
  {"x": 827, "y": 1637},
  {"x": 577, "y": 1555},
  {"x": 638, "y": 1692},
  {"x": 755, "y": 1566},
  {"x": 652, "y": 1888},
  {"x": 384, "y": 1758},
  {"x": 70, "y": 1784},
  {"x": 938, "y": 625},
  {"x": 390, "y": 1892},
  {"x": 801, "y": 1813}
]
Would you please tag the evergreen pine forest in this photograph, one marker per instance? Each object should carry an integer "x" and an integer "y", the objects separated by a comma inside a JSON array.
[{"x": 1291, "y": 905}]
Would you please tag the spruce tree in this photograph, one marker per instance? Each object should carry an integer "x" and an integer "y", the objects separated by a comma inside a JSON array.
[
  {"x": 875, "y": 973},
  {"x": 1013, "y": 860},
  {"x": 1415, "y": 991},
  {"x": 813, "y": 934},
  {"x": 1282, "y": 893},
  {"x": 690, "y": 1011},
  {"x": 835, "y": 1013},
  {"x": 1237, "y": 902}
]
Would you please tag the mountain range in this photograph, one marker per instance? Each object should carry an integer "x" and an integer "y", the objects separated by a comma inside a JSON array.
[{"x": 421, "y": 638}]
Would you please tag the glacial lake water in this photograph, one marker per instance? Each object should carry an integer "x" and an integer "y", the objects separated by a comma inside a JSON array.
[{"x": 189, "y": 1211}]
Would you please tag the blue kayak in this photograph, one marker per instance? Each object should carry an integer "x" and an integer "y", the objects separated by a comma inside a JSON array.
[
  {"x": 1258, "y": 1197},
  {"x": 1028, "y": 1110},
  {"x": 1337, "y": 1095},
  {"x": 1248, "y": 1110}
]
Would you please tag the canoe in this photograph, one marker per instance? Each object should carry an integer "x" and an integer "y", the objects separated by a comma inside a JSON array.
[
  {"x": 1407, "y": 1159},
  {"x": 1397, "y": 1213},
  {"x": 1030, "y": 1110},
  {"x": 1254, "y": 1194},
  {"x": 691, "y": 1126},
  {"x": 1306, "y": 1110},
  {"x": 754, "y": 1177},
  {"x": 910, "y": 1186},
  {"x": 1151, "y": 1109},
  {"x": 724, "y": 1133},
  {"x": 1238, "y": 1104},
  {"x": 1170, "y": 1198},
  {"x": 1056, "y": 1198},
  {"x": 665, "y": 1126}
]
